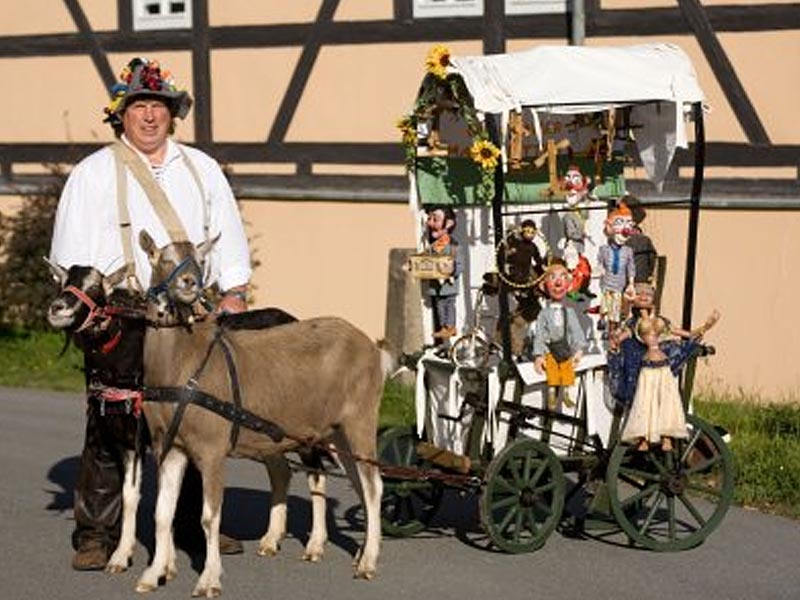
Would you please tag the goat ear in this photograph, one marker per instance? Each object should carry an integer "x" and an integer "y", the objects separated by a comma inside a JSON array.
[
  {"x": 113, "y": 280},
  {"x": 59, "y": 273},
  {"x": 205, "y": 247},
  {"x": 149, "y": 246}
]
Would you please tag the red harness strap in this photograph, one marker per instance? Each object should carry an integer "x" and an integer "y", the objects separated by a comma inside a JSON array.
[
  {"x": 133, "y": 398},
  {"x": 94, "y": 310}
]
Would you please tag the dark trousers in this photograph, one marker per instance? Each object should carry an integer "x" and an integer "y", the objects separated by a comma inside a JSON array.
[
  {"x": 101, "y": 473},
  {"x": 98, "y": 490}
]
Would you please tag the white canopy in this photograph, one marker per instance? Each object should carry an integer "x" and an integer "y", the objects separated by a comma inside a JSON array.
[
  {"x": 568, "y": 79},
  {"x": 578, "y": 79}
]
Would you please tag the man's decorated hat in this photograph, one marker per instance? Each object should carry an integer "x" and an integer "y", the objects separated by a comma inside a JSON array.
[{"x": 143, "y": 77}]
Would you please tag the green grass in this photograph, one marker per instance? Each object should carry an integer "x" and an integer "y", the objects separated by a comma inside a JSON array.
[
  {"x": 32, "y": 359},
  {"x": 765, "y": 440},
  {"x": 397, "y": 406}
]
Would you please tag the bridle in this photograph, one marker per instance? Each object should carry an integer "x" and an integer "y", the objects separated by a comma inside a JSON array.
[
  {"x": 95, "y": 310},
  {"x": 161, "y": 292}
]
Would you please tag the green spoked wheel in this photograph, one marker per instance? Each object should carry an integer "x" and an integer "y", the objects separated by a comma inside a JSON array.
[
  {"x": 407, "y": 505},
  {"x": 669, "y": 501},
  {"x": 524, "y": 496}
]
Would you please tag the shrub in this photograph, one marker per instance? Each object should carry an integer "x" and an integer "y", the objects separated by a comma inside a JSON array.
[{"x": 26, "y": 287}]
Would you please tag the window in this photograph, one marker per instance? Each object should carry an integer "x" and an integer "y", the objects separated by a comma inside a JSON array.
[
  {"x": 447, "y": 8},
  {"x": 162, "y": 14},
  {"x": 534, "y": 7},
  {"x": 474, "y": 8}
]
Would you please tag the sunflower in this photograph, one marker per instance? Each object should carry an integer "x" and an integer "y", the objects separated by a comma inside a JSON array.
[
  {"x": 437, "y": 61},
  {"x": 485, "y": 153},
  {"x": 408, "y": 130}
]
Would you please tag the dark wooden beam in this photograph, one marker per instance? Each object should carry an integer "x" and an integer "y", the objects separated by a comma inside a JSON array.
[
  {"x": 91, "y": 43},
  {"x": 620, "y": 23},
  {"x": 201, "y": 74},
  {"x": 302, "y": 72},
  {"x": 718, "y": 154},
  {"x": 124, "y": 15},
  {"x": 725, "y": 73}
]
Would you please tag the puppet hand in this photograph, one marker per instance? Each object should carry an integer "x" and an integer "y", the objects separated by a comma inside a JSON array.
[
  {"x": 630, "y": 293},
  {"x": 538, "y": 364}
]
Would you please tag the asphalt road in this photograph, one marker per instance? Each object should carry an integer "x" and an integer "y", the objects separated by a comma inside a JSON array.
[{"x": 750, "y": 557}]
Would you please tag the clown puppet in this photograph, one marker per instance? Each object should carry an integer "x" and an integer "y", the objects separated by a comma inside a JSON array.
[
  {"x": 577, "y": 187},
  {"x": 559, "y": 341},
  {"x": 617, "y": 269}
]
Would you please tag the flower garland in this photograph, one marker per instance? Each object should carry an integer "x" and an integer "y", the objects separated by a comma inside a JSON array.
[
  {"x": 151, "y": 77},
  {"x": 437, "y": 83}
]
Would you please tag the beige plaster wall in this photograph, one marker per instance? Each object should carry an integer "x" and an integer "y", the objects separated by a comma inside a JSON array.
[{"x": 321, "y": 258}]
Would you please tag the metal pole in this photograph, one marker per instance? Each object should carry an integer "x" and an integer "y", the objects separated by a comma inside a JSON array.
[
  {"x": 577, "y": 33},
  {"x": 694, "y": 213},
  {"x": 494, "y": 42}
]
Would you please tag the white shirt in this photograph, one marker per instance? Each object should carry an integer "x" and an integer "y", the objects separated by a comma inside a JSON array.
[{"x": 87, "y": 231}]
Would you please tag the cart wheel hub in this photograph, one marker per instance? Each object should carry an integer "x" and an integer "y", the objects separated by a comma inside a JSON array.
[
  {"x": 675, "y": 484},
  {"x": 527, "y": 497}
]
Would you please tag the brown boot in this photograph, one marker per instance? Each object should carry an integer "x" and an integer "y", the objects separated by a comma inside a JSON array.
[
  {"x": 229, "y": 545},
  {"x": 91, "y": 556}
]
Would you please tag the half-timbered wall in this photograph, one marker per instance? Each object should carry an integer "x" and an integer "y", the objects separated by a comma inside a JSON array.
[{"x": 299, "y": 100}]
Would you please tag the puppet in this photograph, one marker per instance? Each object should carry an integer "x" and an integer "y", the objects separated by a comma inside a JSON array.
[
  {"x": 628, "y": 360},
  {"x": 442, "y": 292},
  {"x": 559, "y": 341},
  {"x": 657, "y": 414},
  {"x": 617, "y": 269},
  {"x": 644, "y": 252},
  {"x": 577, "y": 187},
  {"x": 524, "y": 265}
]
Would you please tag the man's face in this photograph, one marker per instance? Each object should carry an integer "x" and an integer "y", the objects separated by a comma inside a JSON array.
[
  {"x": 557, "y": 281},
  {"x": 147, "y": 123}
]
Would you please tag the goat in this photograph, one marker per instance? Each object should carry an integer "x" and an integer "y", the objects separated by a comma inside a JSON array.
[
  {"x": 319, "y": 380},
  {"x": 113, "y": 358},
  {"x": 116, "y": 347}
]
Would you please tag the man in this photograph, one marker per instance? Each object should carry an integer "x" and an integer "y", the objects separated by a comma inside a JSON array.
[{"x": 108, "y": 199}]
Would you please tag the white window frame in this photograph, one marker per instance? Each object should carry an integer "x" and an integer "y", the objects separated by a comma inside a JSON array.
[
  {"x": 424, "y": 9},
  {"x": 144, "y": 21},
  {"x": 536, "y": 7}
]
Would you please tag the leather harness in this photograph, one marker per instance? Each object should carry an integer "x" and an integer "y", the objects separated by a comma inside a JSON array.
[{"x": 191, "y": 394}]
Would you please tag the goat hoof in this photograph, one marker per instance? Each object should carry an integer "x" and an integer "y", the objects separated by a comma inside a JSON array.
[
  {"x": 367, "y": 574},
  {"x": 210, "y": 592},
  {"x": 114, "y": 568},
  {"x": 268, "y": 552},
  {"x": 313, "y": 557},
  {"x": 144, "y": 588}
]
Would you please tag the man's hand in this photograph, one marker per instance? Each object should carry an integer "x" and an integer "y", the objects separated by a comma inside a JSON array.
[
  {"x": 576, "y": 358},
  {"x": 233, "y": 300},
  {"x": 538, "y": 364}
]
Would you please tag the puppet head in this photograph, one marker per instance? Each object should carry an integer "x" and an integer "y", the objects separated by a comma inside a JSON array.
[
  {"x": 576, "y": 184},
  {"x": 527, "y": 230},
  {"x": 619, "y": 224},
  {"x": 556, "y": 280},
  {"x": 440, "y": 220}
]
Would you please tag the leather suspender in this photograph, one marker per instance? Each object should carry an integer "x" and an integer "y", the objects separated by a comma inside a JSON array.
[{"x": 125, "y": 157}]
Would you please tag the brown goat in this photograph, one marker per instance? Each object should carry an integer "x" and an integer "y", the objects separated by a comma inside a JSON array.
[
  {"x": 74, "y": 311},
  {"x": 319, "y": 380}
]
